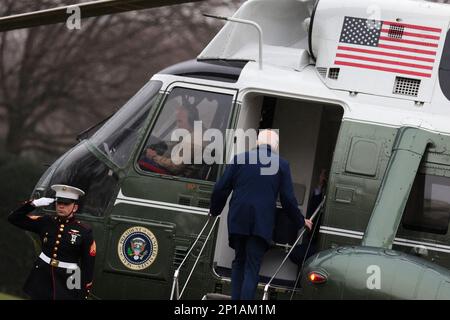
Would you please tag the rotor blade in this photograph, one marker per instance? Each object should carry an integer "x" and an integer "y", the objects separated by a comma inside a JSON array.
[{"x": 88, "y": 9}]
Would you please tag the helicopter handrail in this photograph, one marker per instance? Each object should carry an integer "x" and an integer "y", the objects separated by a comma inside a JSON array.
[
  {"x": 250, "y": 23},
  {"x": 175, "y": 285},
  {"x": 199, "y": 256},
  {"x": 267, "y": 286}
]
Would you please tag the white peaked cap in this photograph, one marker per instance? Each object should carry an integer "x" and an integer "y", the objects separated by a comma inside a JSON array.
[{"x": 68, "y": 192}]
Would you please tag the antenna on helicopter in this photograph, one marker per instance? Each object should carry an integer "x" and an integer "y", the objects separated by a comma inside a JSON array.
[{"x": 248, "y": 22}]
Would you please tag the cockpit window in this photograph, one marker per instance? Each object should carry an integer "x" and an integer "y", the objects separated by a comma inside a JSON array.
[
  {"x": 81, "y": 169},
  {"x": 118, "y": 136},
  {"x": 177, "y": 144},
  {"x": 428, "y": 206}
]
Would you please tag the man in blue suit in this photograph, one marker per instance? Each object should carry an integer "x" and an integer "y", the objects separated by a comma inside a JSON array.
[{"x": 251, "y": 217}]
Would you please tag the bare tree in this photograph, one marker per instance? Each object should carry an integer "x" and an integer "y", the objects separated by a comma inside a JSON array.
[{"x": 54, "y": 82}]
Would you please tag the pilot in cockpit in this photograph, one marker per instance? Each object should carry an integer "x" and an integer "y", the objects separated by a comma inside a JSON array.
[{"x": 170, "y": 157}]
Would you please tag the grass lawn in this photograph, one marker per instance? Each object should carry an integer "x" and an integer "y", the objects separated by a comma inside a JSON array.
[{"x": 4, "y": 296}]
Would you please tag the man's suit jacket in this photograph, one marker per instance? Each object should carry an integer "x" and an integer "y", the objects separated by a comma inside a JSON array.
[{"x": 253, "y": 203}]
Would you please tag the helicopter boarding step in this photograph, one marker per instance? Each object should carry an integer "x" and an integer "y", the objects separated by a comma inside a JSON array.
[{"x": 216, "y": 296}]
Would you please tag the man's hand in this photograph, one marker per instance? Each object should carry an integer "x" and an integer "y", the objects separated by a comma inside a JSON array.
[
  {"x": 42, "y": 202},
  {"x": 150, "y": 153},
  {"x": 87, "y": 290},
  {"x": 308, "y": 224},
  {"x": 210, "y": 214}
]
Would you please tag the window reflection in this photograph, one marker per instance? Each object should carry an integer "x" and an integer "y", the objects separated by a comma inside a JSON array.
[
  {"x": 428, "y": 206},
  {"x": 118, "y": 136},
  {"x": 81, "y": 169}
]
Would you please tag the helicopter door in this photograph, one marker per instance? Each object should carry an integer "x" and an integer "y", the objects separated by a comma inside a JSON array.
[
  {"x": 308, "y": 133},
  {"x": 163, "y": 201}
]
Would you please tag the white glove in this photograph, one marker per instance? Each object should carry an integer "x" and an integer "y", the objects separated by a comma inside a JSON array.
[{"x": 42, "y": 202}]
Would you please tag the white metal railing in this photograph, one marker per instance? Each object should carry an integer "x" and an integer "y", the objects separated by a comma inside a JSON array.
[
  {"x": 267, "y": 286},
  {"x": 175, "y": 292},
  {"x": 250, "y": 23}
]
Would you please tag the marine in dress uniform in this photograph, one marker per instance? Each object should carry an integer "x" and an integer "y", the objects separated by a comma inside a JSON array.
[{"x": 65, "y": 267}]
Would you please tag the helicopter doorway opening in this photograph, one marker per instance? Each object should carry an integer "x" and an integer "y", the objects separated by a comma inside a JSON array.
[{"x": 308, "y": 133}]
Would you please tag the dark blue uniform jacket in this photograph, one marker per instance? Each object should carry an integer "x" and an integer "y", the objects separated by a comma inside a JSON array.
[{"x": 253, "y": 203}]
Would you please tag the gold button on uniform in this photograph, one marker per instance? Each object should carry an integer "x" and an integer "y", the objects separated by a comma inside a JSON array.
[
  {"x": 62, "y": 226},
  {"x": 57, "y": 241},
  {"x": 55, "y": 255},
  {"x": 55, "y": 248},
  {"x": 59, "y": 236},
  {"x": 61, "y": 229}
]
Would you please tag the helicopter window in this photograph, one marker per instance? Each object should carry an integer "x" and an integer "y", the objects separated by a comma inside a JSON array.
[
  {"x": 428, "y": 206},
  {"x": 118, "y": 136},
  {"x": 80, "y": 168},
  {"x": 444, "y": 68},
  {"x": 175, "y": 146}
]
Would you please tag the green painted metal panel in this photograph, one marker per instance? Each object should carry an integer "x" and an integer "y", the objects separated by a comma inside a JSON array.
[
  {"x": 350, "y": 271},
  {"x": 363, "y": 157},
  {"x": 410, "y": 146},
  {"x": 351, "y": 195}
]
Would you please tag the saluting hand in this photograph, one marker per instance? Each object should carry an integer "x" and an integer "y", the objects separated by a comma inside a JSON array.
[{"x": 42, "y": 202}]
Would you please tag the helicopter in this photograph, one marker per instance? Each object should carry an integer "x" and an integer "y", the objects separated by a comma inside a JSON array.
[{"x": 360, "y": 88}]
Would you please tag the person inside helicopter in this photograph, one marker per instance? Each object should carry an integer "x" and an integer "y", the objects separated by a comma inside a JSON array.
[
  {"x": 168, "y": 157},
  {"x": 182, "y": 141},
  {"x": 309, "y": 244}
]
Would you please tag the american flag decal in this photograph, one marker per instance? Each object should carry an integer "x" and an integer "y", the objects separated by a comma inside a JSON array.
[{"x": 388, "y": 46}]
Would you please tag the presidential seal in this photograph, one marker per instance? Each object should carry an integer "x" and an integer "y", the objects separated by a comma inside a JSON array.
[{"x": 137, "y": 248}]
